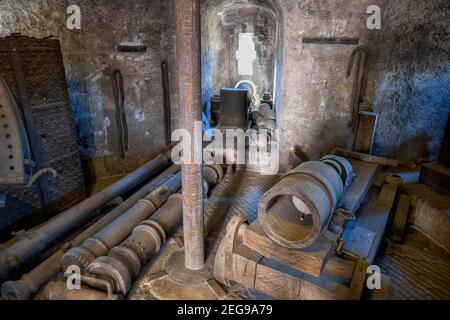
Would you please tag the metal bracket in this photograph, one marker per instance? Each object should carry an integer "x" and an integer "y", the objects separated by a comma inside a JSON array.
[
  {"x": 131, "y": 48},
  {"x": 40, "y": 173},
  {"x": 340, "y": 218}
]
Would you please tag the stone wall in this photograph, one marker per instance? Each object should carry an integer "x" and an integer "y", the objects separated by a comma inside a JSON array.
[
  {"x": 90, "y": 55},
  {"x": 408, "y": 77},
  {"x": 412, "y": 92}
]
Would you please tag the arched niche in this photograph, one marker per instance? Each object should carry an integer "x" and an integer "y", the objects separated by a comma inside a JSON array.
[{"x": 238, "y": 36}]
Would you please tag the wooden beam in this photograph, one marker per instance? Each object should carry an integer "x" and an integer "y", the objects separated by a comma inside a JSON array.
[
  {"x": 387, "y": 196},
  {"x": 311, "y": 260},
  {"x": 367, "y": 125},
  {"x": 365, "y": 157},
  {"x": 397, "y": 232}
]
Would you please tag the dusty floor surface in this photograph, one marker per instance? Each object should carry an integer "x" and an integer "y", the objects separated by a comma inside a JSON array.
[
  {"x": 419, "y": 269},
  {"x": 238, "y": 193}
]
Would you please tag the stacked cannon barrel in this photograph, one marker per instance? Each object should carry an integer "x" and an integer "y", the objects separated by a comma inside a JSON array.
[
  {"x": 100, "y": 243},
  {"x": 32, "y": 244},
  {"x": 27, "y": 286},
  {"x": 124, "y": 262},
  {"x": 110, "y": 256},
  {"x": 146, "y": 217},
  {"x": 295, "y": 211}
]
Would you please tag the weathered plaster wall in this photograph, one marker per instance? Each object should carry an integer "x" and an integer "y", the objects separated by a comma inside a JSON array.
[
  {"x": 314, "y": 107},
  {"x": 312, "y": 92},
  {"x": 90, "y": 55},
  {"x": 408, "y": 76},
  {"x": 220, "y": 38},
  {"x": 412, "y": 92}
]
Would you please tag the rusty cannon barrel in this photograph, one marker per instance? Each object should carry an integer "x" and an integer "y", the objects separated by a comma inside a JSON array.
[
  {"x": 299, "y": 207},
  {"x": 125, "y": 261}
]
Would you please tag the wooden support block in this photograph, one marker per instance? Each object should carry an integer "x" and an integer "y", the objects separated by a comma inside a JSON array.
[
  {"x": 387, "y": 196},
  {"x": 281, "y": 285},
  {"x": 244, "y": 270},
  {"x": 436, "y": 176},
  {"x": 277, "y": 284},
  {"x": 366, "y": 158},
  {"x": 391, "y": 179},
  {"x": 217, "y": 289},
  {"x": 399, "y": 223},
  {"x": 252, "y": 270},
  {"x": 358, "y": 280},
  {"x": 230, "y": 243},
  {"x": 444, "y": 156},
  {"x": 432, "y": 221},
  {"x": 367, "y": 125},
  {"x": 311, "y": 260},
  {"x": 340, "y": 268}
]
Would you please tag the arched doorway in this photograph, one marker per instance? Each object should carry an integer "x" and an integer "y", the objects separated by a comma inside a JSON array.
[{"x": 240, "y": 42}]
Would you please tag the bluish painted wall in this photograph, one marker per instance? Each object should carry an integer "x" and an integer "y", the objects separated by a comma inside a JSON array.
[{"x": 412, "y": 90}]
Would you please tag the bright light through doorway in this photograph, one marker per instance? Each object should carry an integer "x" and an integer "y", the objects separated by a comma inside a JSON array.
[{"x": 246, "y": 54}]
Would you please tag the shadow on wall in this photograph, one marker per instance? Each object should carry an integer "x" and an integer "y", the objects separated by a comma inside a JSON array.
[
  {"x": 412, "y": 93},
  {"x": 421, "y": 144},
  {"x": 412, "y": 108},
  {"x": 81, "y": 113}
]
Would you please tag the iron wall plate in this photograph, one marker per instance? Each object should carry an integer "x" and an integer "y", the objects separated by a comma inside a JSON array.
[
  {"x": 34, "y": 71},
  {"x": 14, "y": 145}
]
